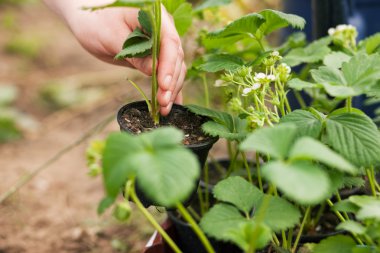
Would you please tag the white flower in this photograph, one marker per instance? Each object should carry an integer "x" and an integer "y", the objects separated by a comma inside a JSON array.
[
  {"x": 219, "y": 83},
  {"x": 271, "y": 77},
  {"x": 256, "y": 86},
  {"x": 331, "y": 31},
  {"x": 341, "y": 27},
  {"x": 275, "y": 53},
  {"x": 259, "y": 76},
  {"x": 246, "y": 91},
  {"x": 285, "y": 66}
]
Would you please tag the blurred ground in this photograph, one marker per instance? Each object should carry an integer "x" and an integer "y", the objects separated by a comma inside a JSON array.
[
  {"x": 62, "y": 92},
  {"x": 56, "y": 211}
]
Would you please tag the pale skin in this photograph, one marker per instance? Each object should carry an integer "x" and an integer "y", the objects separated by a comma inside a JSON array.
[{"x": 103, "y": 32}]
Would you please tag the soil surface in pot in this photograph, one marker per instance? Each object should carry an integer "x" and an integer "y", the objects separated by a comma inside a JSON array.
[{"x": 139, "y": 121}]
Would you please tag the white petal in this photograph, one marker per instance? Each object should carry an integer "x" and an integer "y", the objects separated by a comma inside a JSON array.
[
  {"x": 331, "y": 31},
  {"x": 256, "y": 86}
]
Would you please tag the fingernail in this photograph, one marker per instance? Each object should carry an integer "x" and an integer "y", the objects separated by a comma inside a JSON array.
[
  {"x": 169, "y": 106},
  {"x": 167, "y": 81},
  {"x": 167, "y": 96}
]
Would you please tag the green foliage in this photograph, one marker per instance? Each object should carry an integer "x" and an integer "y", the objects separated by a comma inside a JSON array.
[
  {"x": 226, "y": 222},
  {"x": 299, "y": 84},
  {"x": 336, "y": 59},
  {"x": 238, "y": 192},
  {"x": 314, "y": 52},
  {"x": 181, "y": 12},
  {"x": 356, "y": 77},
  {"x": 274, "y": 141},
  {"x": 310, "y": 149},
  {"x": 352, "y": 226},
  {"x": 8, "y": 130},
  {"x": 307, "y": 123},
  {"x": 243, "y": 27},
  {"x": 94, "y": 154},
  {"x": 355, "y": 137},
  {"x": 219, "y": 62},
  {"x": 371, "y": 44},
  {"x": 164, "y": 169},
  {"x": 335, "y": 244},
  {"x": 275, "y": 20},
  {"x": 137, "y": 45},
  {"x": 223, "y": 125},
  {"x": 256, "y": 26},
  {"x": 301, "y": 181},
  {"x": 206, "y": 4}
]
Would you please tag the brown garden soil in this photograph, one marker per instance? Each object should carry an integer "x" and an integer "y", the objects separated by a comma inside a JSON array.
[{"x": 56, "y": 210}]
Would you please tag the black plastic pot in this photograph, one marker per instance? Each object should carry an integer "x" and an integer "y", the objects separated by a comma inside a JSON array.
[
  {"x": 188, "y": 241},
  {"x": 200, "y": 150}
]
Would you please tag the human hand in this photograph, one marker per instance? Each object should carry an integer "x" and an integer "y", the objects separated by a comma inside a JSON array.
[{"x": 103, "y": 32}]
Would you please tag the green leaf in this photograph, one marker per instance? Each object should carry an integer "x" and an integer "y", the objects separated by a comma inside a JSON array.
[
  {"x": 371, "y": 43},
  {"x": 104, "y": 204},
  {"x": 210, "y": 4},
  {"x": 274, "y": 141},
  {"x": 145, "y": 22},
  {"x": 370, "y": 211},
  {"x": 345, "y": 206},
  {"x": 352, "y": 226},
  {"x": 308, "y": 148},
  {"x": 275, "y": 20},
  {"x": 182, "y": 14},
  {"x": 250, "y": 233},
  {"x": 357, "y": 76},
  {"x": 239, "y": 192},
  {"x": 279, "y": 214},
  {"x": 335, "y": 244},
  {"x": 243, "y": 27},
  {"x": 8, "y": 129},
  {"x": 123, "y": 3},
  {"x": 299, "y": 84},
  {"x": 314, "y": 52},
  {"x": 336, "y": 59},
  {"x": 306, "y": 122},
  {"x": 137, "y": 44},
  {"x": 220, "y": 62},
  {"x": 363, "y": 200},
  {"x": 238, "y": 133},
  {"x": 165, "y": 170},
  {"x": 355, "y": 137},
  {"x": 224, "y": 125},
  {"x": 301, "y": 181},
  {"x": 362, "y": 70},
  {"x": 115, "y": 157},
  {"x": 220, "y": 220}
]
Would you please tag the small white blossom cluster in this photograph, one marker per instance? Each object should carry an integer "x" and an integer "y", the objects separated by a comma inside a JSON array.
[
  {"x": 283, "y": 72},
  {"x": 344, "y": 35},
  {"x": 272, "y": 58},
  {"x": 260, "y": 79},
  {"x": 341, "y": 29}
]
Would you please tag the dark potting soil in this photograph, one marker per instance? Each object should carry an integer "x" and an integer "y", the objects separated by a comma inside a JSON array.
[{"x": 139, "y": 121}]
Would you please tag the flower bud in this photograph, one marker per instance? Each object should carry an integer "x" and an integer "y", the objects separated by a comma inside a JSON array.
[{"x": 122, "y": 211}]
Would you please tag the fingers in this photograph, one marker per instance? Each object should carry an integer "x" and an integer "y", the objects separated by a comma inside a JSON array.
[
  {"x": 176, "y": 94},
  {"x": 171, "y": 67}
]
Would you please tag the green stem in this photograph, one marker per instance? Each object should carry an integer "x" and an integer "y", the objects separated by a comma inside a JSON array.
[
  {"x": 207, "y": 197},
  {"x": 259, "y": 172},
  {"x": 340, "y": 199},
  {"x": 305, "y": 217},
  {"x": 300, "y": 99},
  {"x": 194, "y": 213},
  {"x": 142, "y": 94},
  {"x": 284, "y": 240},
  {"x": 201, "y": 201},
  {"x": 206, "y": 243},
  {"x": 247, "y": 167},
  {"x": 341, "y": 218},
  {"x": 151, "y": 219},
  {"x": 290, "y": 238},
  {"x": 155, "y": 15},
  {"x": 371, "y": 181},
  {"x": 349, "y": 104},
  {"x": 205, "y": 87}
]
